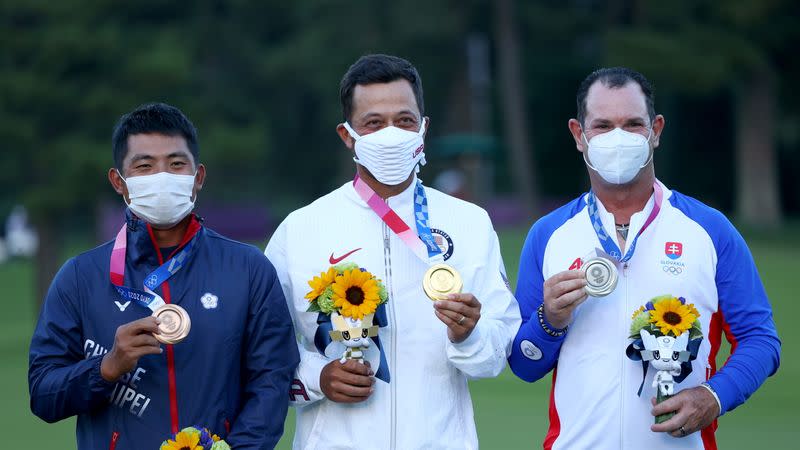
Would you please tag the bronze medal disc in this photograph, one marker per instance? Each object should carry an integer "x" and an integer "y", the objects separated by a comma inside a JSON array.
[
  {"x": 441, "y": 280},
  {"x": 175, "y": 324}
]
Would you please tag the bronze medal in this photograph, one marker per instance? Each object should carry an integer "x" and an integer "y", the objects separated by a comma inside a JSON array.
[
  {"x": 441, "y": 280},
  {"x": 175, "y": 324}
]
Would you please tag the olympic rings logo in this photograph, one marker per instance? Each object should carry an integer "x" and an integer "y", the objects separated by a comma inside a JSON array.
[{"x": 672, "y": 269}]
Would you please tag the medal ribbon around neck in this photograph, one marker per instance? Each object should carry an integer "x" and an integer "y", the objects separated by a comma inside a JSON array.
[
  {"x": 147, "y": 297},
  {"x": 609, "y": 244},
  {"x": 422, "y": 243}
]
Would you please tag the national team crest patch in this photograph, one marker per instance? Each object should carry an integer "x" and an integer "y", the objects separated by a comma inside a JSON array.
[
  {"x": 673, "y": 250},
  {"x": 444, "y": 242}
]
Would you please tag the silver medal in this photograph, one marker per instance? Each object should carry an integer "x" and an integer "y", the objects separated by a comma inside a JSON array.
[{"x": 601, "y": 277}]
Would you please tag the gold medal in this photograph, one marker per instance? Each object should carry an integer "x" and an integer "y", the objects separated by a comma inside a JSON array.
[
  {"x": 441, "y": 280},
  {"x": 175, "y": 324}
]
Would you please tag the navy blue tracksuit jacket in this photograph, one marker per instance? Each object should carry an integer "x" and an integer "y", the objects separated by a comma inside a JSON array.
[{"x": 231, "y": 374}]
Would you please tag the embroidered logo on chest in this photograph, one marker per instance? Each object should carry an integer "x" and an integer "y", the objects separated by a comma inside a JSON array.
[
  {"x": 672, "y": 266},
  {"x": 444, "y": 242},
  {"x": 209, "y": 300}
]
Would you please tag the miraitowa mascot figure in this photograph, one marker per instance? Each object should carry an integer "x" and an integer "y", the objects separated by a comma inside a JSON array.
[
  {"x": 665, "y": 354},
  {"x": 666, "y": 335},
  {"x": 353, "y": 334},
  {"x": 349, "y": 302}
]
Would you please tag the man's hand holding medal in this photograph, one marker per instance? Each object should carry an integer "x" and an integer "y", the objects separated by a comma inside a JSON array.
[{"x": 460, "y": 312}]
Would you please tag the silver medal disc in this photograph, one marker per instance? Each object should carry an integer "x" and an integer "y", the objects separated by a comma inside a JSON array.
[{"x": 601, "y": 277}]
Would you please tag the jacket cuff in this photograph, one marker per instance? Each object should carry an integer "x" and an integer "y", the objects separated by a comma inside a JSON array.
[
  {"x": 708, "y": 387},
  {"x": 469, "y": 346},
  {"x": 540, "y": 334},
  {"x": 98, "y": 384},
  {"x": 724, "y": 393},
  {"x": 310, "y": 371}
]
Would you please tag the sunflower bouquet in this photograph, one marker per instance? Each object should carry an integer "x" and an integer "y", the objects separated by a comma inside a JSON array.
[
  {"x": 349, "y": 295},
  {"x": 346, "y": 289},
  {"x": 666, "y": 334},
  {"x": 195, "y": 438}
]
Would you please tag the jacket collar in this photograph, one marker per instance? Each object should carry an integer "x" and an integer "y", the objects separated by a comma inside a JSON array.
[
  {"x": 397, "y": 202},
  {"x": 141, "y": 242}
]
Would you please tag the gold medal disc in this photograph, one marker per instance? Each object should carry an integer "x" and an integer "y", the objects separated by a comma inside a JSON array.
[
  {"x": 175, "y": 324},
  {"x": 441, "y": 280}
]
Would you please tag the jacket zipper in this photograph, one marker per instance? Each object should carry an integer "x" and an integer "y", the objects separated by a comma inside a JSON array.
[
  {"x": 114, "y": 439},
  {"x": 623, "y": 363},
  {"x": 387, "y": 259},
  {"x": 173, "y": 387}
]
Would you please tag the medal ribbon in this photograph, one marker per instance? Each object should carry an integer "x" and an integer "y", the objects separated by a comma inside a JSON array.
[
  {"x": 610, "y": 244},
  {"x": 421, "y": 243},
  {"x": 147, "y": 297}
]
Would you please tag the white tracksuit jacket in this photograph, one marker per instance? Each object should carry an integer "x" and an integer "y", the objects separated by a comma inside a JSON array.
[{"x": 427, "y": 404}]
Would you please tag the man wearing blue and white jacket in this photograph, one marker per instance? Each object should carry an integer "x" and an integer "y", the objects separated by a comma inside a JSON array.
[
  {"x": 94, "y": 353},
  {"x": 662, "y": 243}
]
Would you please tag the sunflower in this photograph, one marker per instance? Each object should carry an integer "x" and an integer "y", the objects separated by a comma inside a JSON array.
[
  {"x": 356, "y": 293},
  {"x": 670, "y": 315},
  {"x": 318, "y": 284},
  {"x": 185, "y": 440},
  {"x": 693, "y": 310}
]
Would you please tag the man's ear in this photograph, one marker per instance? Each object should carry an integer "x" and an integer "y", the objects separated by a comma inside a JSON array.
[
  {"x": 576, "y": 130},
  {"x": 118, "y": 184},
  {"x": 348, "y": 140},
  {"x": 658, "y": 127},
  {"x": 199, "y": 179},
  {"x": 427, "y": 126}
]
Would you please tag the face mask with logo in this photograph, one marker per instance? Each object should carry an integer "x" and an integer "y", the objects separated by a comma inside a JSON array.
[
  {"x": 162, "y": 199},
  {"x": 618, "y": 155},
  {"x": 390, "y": 154}
]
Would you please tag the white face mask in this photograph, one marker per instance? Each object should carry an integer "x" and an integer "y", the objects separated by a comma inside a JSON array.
[
  {"x": 618, "y": 155},
  {"x": 390, "y": 154},
  {"x": 162, "y": 199}
]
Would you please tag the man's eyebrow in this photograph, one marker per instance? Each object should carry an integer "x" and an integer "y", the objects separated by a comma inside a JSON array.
[
  {"x": 178, "y": 154},
  {"x": 141, "y": 156},
  {"x": 370, "y": 114}
]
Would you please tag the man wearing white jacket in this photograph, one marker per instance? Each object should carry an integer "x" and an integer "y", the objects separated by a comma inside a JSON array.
[{"x": 411, "y": 392}]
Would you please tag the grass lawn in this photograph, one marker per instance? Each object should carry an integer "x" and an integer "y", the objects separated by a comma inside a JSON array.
[{"x": 510, "y": 413}]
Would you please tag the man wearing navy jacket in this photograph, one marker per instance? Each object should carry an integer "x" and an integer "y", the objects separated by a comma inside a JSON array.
[{"x": 94, "y": 352}]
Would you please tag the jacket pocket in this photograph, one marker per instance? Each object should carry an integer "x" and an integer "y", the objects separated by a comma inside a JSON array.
[{"x": 114, "y": 439}]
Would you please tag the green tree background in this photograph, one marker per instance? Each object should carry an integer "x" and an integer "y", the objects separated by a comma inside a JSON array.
[{"x": 260, "y": 80}]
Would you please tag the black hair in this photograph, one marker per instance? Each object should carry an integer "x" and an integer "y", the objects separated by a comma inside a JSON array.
[
  {"x": 614, "y": 78},
  {"x": 158, "y": 118},
  {"x": 371, "y": 69}
]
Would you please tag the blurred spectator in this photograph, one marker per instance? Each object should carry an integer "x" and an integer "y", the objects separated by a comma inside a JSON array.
[
  {"x": 21, "y": 238},
  {"x": 452, "y": 182}
]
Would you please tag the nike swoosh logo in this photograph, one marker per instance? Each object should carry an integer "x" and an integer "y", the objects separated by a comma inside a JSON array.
[{"x": 333, "y": 260}]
